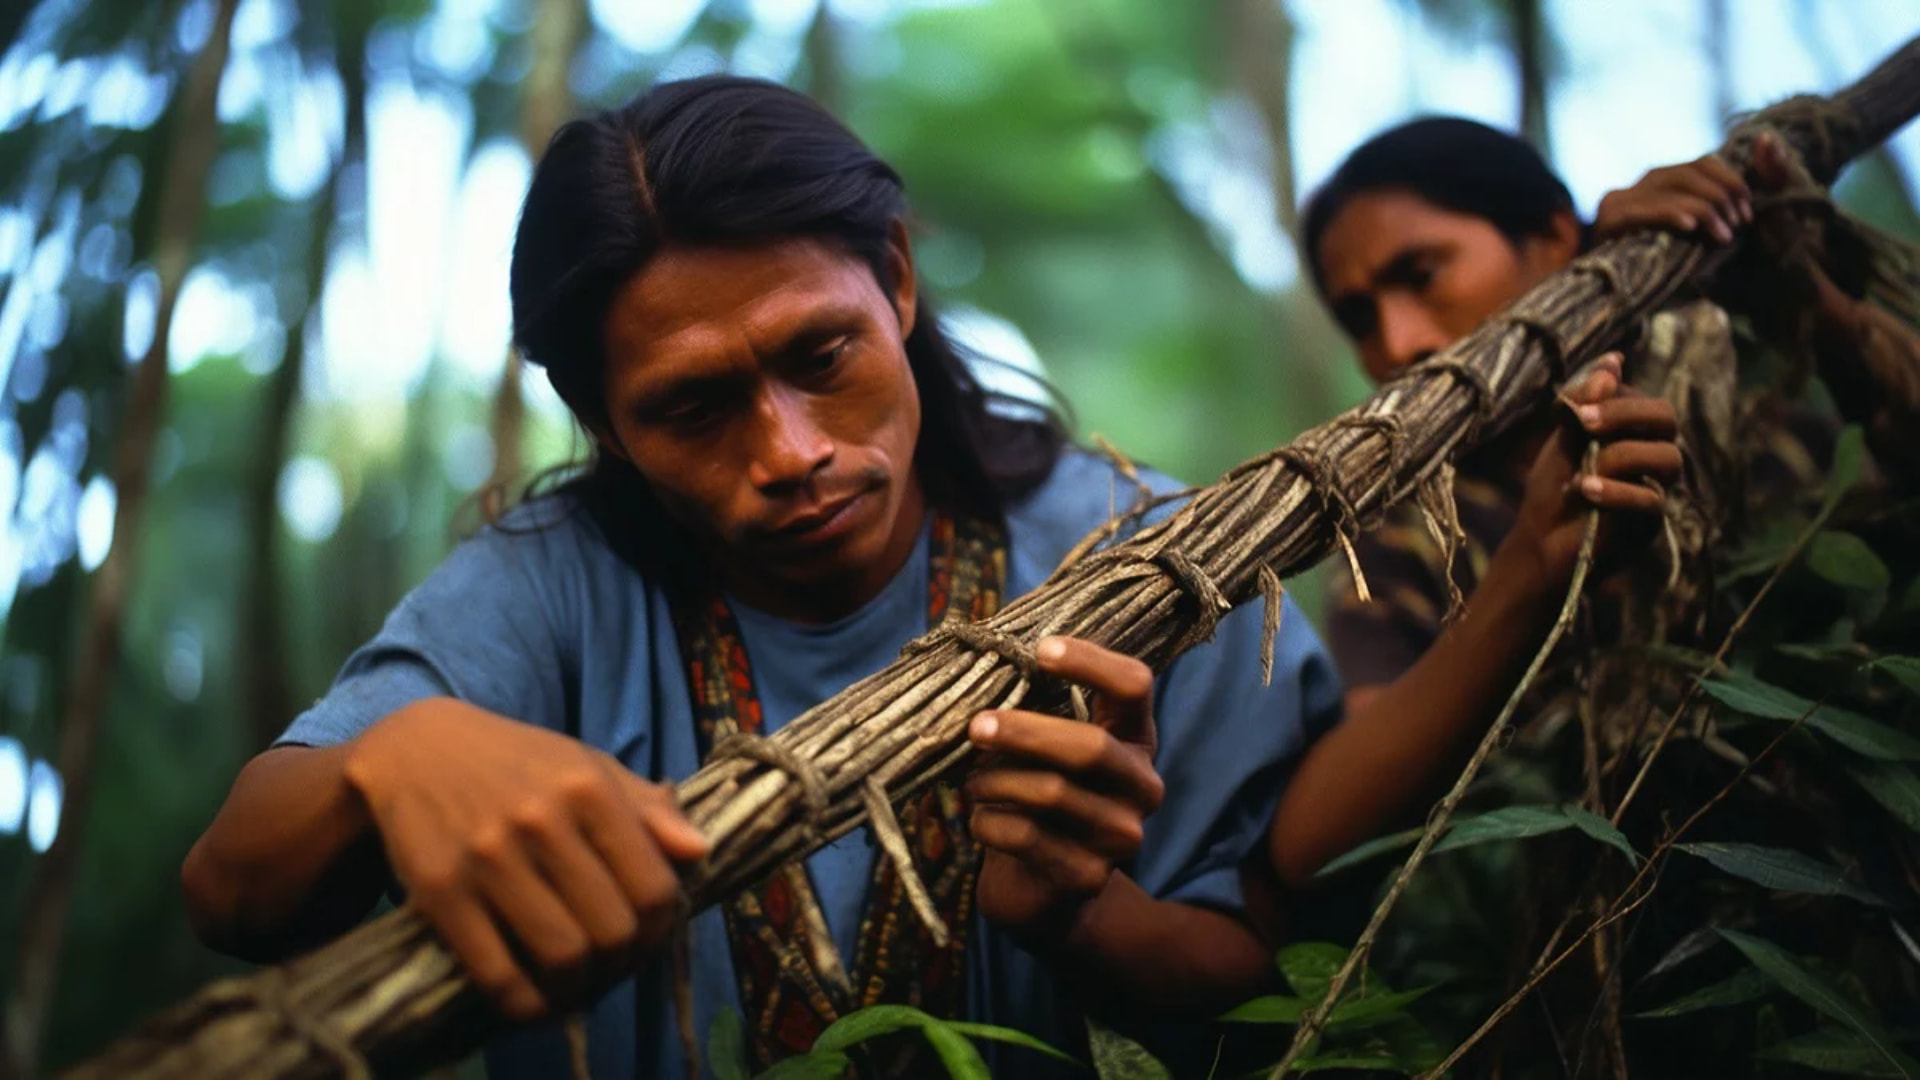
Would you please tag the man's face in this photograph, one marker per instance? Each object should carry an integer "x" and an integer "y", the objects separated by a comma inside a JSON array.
[
  {"x": 1406, "y": 278},
  {"x": 764, "y": 394}
]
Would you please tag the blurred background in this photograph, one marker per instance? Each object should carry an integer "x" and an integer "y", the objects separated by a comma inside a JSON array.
[{"x": 1105, "y": 192}]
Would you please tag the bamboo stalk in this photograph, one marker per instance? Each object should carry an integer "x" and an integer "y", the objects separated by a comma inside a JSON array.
[{"x": 395, "y": 997}]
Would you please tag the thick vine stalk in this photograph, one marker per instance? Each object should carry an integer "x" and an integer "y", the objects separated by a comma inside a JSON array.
[{"x": 388, "y": 996}]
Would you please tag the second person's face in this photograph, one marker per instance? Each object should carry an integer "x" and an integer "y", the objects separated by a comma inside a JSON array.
[{"x": 1406, "y": 278}]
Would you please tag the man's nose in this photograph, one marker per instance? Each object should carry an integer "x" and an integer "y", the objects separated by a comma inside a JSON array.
[
  {"x": 790, "y": 445},
  {"x": 1409, "y": 334}
]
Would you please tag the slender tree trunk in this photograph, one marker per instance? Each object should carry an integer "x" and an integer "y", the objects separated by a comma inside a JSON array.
[
  {"x": 1260, "y": 36},
  {"x": 825, "y": 73},
  {"x": 1529, "y": 53},
  {"x": 1720, "y": 61},
  {"x": 558, "y": 27},
  {"x": 43, "y": 923},
  {"x": 266, "y": 690}
]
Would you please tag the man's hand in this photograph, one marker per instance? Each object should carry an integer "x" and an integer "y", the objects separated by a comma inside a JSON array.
[
  {"x": 540, "y": 860},
  {"x": 1636, "y": 436},
  {"x": 1060, "y": 802},
  {"x": 1700, "y": 196}
]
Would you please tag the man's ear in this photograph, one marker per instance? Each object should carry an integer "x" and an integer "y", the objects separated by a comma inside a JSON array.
[
  {"x": 899, "y": 261},
  {"x": 1562, "y": 240}
]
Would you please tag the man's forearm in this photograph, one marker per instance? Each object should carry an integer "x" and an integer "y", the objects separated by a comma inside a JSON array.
[
  {"x": 1129, "y": 954},
  {"x": 1397, "y": 742},
  {"x": 291, "y": 859}
]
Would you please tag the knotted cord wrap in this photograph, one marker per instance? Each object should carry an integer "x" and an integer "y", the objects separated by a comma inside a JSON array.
[
  {"x": 1475, "y": 379},
  {"x": 274, "y": 995},
  {"x": 1209, "y": 603},
  {"x": 813, "y": 785},
  {"x": 398, "y": 996},
  {"x": 979, "y": 638},
  {"x": 1344, "y": 522}
]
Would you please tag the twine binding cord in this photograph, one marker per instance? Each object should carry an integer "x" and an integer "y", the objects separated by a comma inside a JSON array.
[
  {"x": 1209, "y": 603},
  {"x": 813, "y": 785},
  {"x": 1334, "y": 502},
  {"x": 1271, "y": 594},
  {"x": 893, "y": 841},
  {"x": 270, "y": 993},
  {"x": 1442, "y": 515}
]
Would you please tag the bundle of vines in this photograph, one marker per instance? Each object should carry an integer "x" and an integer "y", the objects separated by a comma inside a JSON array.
[{"x": 389, "y": 997}]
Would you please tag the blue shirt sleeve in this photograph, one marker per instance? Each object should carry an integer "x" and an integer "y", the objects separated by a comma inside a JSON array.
[
  {"x": 481, "y": 628},
  {"x": 1227, "y": 747}
]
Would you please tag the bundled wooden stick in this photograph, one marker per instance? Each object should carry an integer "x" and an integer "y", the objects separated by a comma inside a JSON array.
[{"x": 390, "y": 997}]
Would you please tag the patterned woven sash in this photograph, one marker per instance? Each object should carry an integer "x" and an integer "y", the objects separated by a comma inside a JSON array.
[{"x": 791, "y": 980}]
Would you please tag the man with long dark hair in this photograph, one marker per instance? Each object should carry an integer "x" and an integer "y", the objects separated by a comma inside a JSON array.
[{"x": 795, "y": 474}]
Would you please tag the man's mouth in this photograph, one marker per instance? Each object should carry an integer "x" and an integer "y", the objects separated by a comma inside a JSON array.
[{"x": 824, "y": 522}]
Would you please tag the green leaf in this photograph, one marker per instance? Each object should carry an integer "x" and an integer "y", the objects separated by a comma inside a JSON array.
[
  {"x": 1348, "y": 1059},
  {"x": 1849, "y": 460},
  {"x": 870, "y": 1023},
  {"x": 815, "y": 1066},
  {"x": 961, "y": 1058},
  {"x": 727, "y": 1046},
  {"x": 1780, "y": 868},
  {"x": 1845, "y": 560},
  {"x": 1368, "y": 850},
  {"x": 1833, "y": 1050},
  {"x": 1309, "y": 967},
  {"x": 1116, "y": 1057},
  {"x": 1372, "y": 1010},
  {"x": 1272, "y": 1009},
  {"x": 1894, "y": 786},
  {"x": 1510, "y": 823},
  {"x": 1861, "y": 734},
  {"x": 1782, "y": 968},
  {"x": 1746, "y": 986},
  {"x": 1600, "y": 829},
  {"x": 1011, "y": 1037},
  {"x": 1904, "y": 668}
]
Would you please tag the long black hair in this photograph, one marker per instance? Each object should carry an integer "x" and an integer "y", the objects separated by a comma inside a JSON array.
[
  {"x": 1455, "y": 164},
  {"x": 723, "y": 160}
]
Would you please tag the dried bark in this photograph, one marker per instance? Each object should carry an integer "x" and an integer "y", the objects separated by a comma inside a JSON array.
[
  {"x": 390, "y": 995},
  {"x": 43, "y": 920}
]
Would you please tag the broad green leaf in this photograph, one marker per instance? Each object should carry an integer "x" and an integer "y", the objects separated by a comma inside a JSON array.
[
  {"x": 815, "y": 1066},
  {"x": 1009, "y": 1036},
  {"x": 870, "y": 1023},
  {"x": 1272, "y": 1009},
  {"x": 1600, "y": 829},
  {"x": 1894, "y": 786},
  {"x": 1746, "y": 986},
  {"x": 1850, "y": 653},
  {"x": 1833, "y": 1050},
  {"x": 1779, "y": 868},
  {"x": 1116, "y": 1057},
  {"x": 1509, "y": 823},
  {"x": 727, "y": 1046},
  {"x": 1368, "y": 850},
  {"x": 1849, "y": 459},
  {"x": 1765, "y": 551},
  {"x": 1858, "y": 733},
  {"x": 1904, "y": 668},
  {"x": 1845, "y": 560},
  {"x": 1817, "y": 992},
  {"x": 961, "y": 1058}
]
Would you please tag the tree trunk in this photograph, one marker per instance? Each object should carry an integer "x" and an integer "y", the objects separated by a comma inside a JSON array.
[
  {"x": 1260, "y": 37},
  {"x": 43, "y": 922},
  {"x": 1529, "y": 53},
  {"x": 390, "y": 994},
  {"x": 266, "y": 690},
  {"x": 558, "y": 27}
]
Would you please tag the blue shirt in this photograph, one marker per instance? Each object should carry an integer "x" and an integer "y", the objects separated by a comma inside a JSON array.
[{"x": 549, "y": 626}]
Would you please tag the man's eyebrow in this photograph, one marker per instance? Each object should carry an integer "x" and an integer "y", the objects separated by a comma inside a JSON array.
[{"x": 1403, "y": 266}]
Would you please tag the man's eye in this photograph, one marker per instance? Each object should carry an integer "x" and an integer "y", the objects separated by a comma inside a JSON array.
[
  {"x": 823, "y": 361},
  {"x": 691, "y": 413}
]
